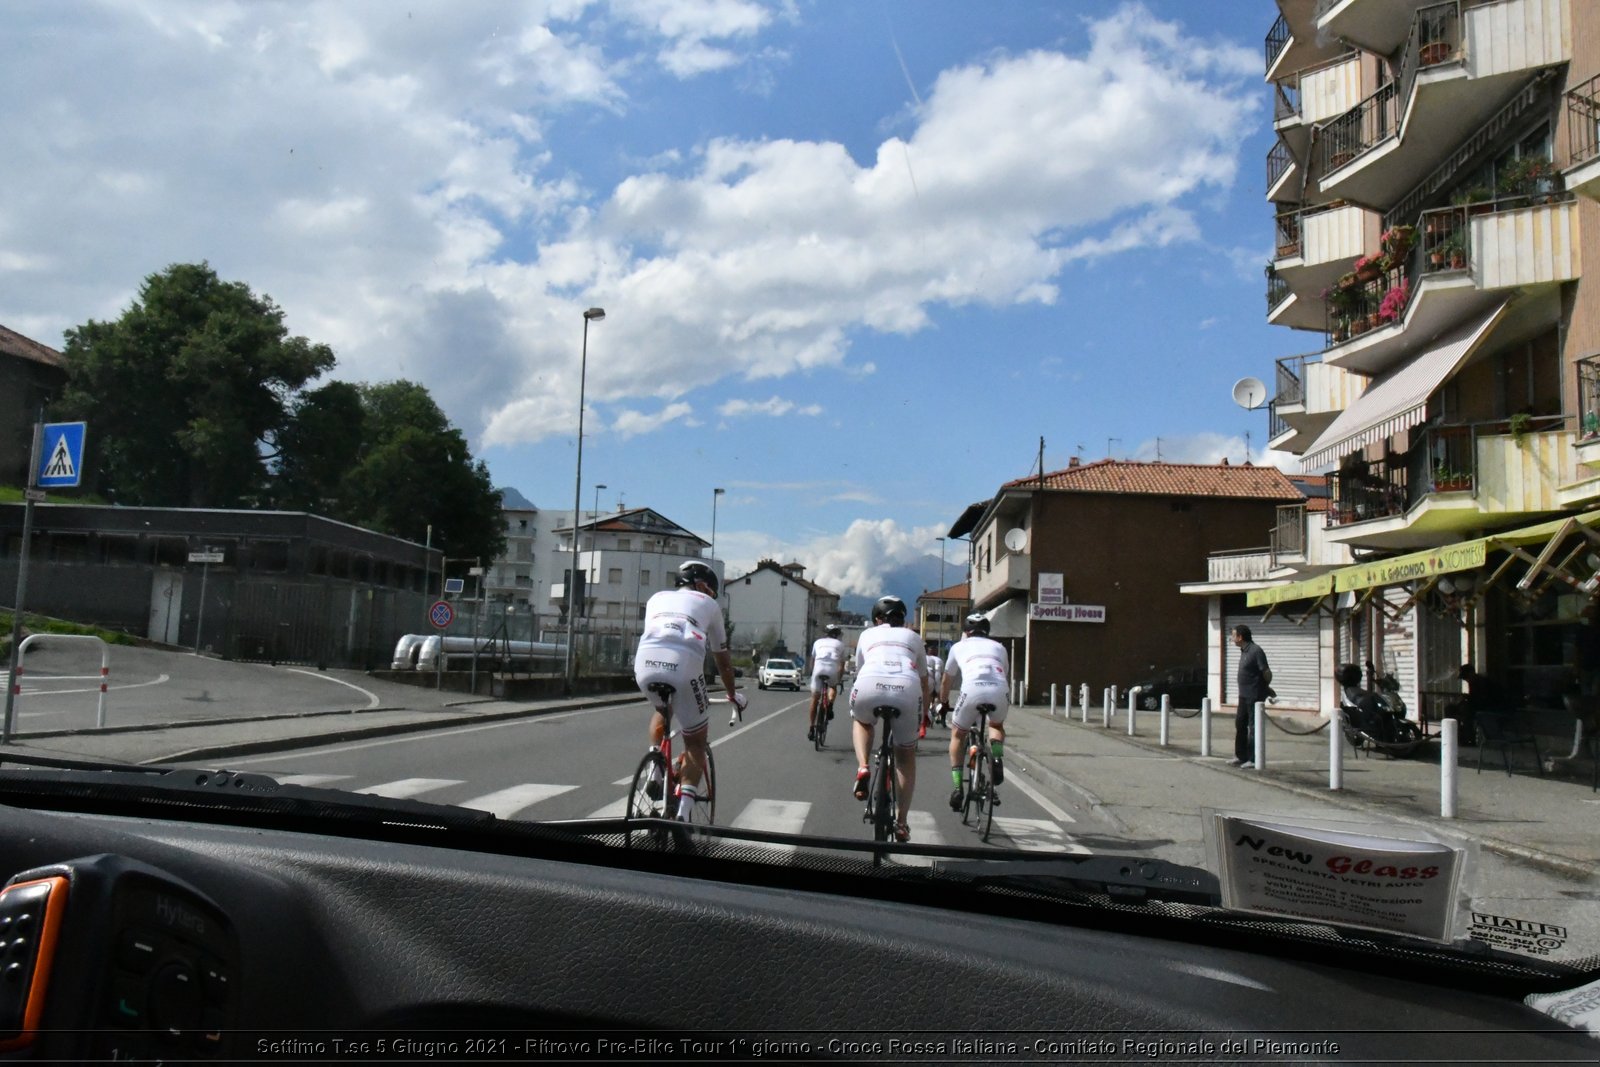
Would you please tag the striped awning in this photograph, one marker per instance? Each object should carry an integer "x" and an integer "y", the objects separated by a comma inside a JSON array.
[{"x": 1398, "y": 400}]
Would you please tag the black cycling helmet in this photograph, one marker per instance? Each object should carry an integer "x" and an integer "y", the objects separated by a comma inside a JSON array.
[
  {"x": 692, "y": 570},
  {"x": 889, "y": 609},
  {"x": 833, "y": 629},
  {"x": 976, "y": 624}
]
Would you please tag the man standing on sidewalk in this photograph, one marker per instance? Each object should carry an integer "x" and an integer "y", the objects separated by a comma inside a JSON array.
[{"x": 1254, "y": 678}]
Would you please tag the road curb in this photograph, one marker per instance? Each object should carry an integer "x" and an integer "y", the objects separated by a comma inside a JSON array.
[
  {"x": 279, "y": 744},
  {"x": 193, "y": 724},
  {"x": 1056, "y": 780},
  {"x": 1549, "y": 861}
]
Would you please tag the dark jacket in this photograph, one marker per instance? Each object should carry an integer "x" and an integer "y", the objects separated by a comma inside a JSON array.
[{"x": 1254, "y": 674}]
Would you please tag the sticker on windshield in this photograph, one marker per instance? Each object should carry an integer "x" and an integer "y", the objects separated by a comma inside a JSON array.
[
  {"x": 1311, "y": 871},
  {"x": 1579, "y": 1008},
  {"x": 1517, "y": 935}
]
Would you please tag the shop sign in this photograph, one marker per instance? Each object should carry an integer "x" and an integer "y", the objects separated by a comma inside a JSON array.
[
  {"x": 1416, "y": 565},
  {"x": 1310, "y": 589},
  {"x": 1052, "y": 589},
  {"x": 1067, "y": 612}
]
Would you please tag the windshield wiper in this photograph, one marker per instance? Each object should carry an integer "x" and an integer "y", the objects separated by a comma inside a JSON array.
[
  {"x": 73, "y": 763},
  {"x": 1121, "y": 878}
]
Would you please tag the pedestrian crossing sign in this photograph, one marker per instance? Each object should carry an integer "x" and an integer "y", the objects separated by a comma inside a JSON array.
[{"x": 60, "y": 455}]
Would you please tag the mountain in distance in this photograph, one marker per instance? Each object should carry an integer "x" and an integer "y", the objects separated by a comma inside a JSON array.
[
  {"x": 510, "y": 498},
  {"x": 907, "y": 581}
]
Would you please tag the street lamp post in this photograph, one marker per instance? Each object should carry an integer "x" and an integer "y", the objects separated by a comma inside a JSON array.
[
  {"x": 714, "y": 494},
  {"x": 592, "y": 315},
  {"x": 941, "y": 541}
]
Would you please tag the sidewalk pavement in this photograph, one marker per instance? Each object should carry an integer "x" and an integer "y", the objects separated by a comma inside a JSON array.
[{"x": 1153, "y": 794}]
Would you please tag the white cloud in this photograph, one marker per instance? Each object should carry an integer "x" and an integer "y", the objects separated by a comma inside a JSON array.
[
  {"x": 772, "y": 407},
  {"x": 1214, "y": 448},
  {"x": 633, "y": 423},
  {"x": 852, "y": 562}
]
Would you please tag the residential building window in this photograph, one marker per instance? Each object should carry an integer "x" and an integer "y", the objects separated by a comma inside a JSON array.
[
  {"x": 614, "y": 576},
  {"x": 624, "y": 544},
  {"x": 644, "y": 577}
]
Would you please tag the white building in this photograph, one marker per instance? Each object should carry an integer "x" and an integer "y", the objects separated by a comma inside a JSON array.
[
  {"x": 775, "y": 607},
  {"x": 623, "y": 557}
]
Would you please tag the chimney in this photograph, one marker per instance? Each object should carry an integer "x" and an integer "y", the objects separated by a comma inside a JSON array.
[
  {"x": 1224, "y": 461},
  {"x": 1073, "y": 462}
]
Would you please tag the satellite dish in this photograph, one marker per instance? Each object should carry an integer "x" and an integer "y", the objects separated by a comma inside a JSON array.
[
  {"x": 1249, "y": 393},
  {"x": 1017, "y": 540}
]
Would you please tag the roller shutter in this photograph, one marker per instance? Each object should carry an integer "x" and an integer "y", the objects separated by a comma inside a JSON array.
[{"x": 1292, "y": 653}]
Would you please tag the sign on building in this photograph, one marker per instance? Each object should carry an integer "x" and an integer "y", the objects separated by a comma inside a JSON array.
[
  {"x": 1052, "y": 589},
  {"x": 1067, "y": 612}
]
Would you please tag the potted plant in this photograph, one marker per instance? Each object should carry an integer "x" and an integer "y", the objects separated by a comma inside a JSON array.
[
  {"x": 1397, "y": 242},
  {"x": 1449, "y": 480},
  {"x": 1527, "y": 176},
  {"x": 1368, "y": 268},
  {"x": 1455, "y": 251},
  {"x": 1435, "y": 52},
  {"x": 1591, "y": 425},
  {"x": 1519, "y": 427},
  {"x": 1394, "y": 302},
  {"x": 1475, "y": 199}
]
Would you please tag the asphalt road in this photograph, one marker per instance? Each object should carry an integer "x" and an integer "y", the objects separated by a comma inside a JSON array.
[{"x": 574, "y": 765}]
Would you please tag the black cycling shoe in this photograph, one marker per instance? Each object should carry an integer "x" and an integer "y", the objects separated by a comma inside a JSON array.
[
  {"x": 811, "y": 733},
  {"x": 955, "y": 799},
  {"x": 859, "y": 788},
  {"x": 998, "y": 770}
]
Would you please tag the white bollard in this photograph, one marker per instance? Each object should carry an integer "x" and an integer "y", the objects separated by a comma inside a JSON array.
[
  {"x": 1115, "y": 696},
  {"x": 1052, "y": 700},
  {"x": 1105, "y": 707},
  {"x": 1449, "y": 748},
  {"x": 1260, "y": 727},
  {"x": 1133, "y": 711},
  {"x": 1166, "y": 715},
  {"x": 1205, "y": 726},
  {"x": 1335, "y": 755},
  {"x": 1083, "y": 703}
]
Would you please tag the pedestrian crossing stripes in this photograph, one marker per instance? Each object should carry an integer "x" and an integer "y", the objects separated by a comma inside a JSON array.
[{"x": 767, "y": 814}]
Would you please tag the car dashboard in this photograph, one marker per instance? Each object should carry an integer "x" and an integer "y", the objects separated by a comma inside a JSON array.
[{"x": 185, "y": 935}]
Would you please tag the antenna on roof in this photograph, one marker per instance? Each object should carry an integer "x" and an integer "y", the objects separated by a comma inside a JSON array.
[
  {"x": 1158, "y": 450},
  {"x": 1247, "y": 446},
  {"x": 1041, "y": 461},
  {"x": 1108, "y": 445}
]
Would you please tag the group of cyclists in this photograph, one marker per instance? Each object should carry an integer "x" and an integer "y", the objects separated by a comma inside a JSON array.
[{"x": 893, "y": 668}]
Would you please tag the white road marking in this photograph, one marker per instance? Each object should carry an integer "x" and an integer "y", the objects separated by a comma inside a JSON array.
[
  {"x": 776, "y": 816},
  {"x": 160, "y": 680},
  {"x": 730, "y": 736},
  {"x": 1038, "y": 798},
  {"x": 409, "y": 787},
  {"x": 615, "y": 810},
  {"x": 1036, "y": 835},
  {"x": 507, "y": 802},
  {"x": 372, "y": 698},
  {"x": 311, "y": 779}
]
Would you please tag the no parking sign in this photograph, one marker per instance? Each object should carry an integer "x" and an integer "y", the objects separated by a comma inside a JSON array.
[{"x": 441, "y": 614}]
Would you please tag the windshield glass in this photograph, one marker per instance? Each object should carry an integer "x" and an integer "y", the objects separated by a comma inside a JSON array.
[{"x": 421, "y": 384}]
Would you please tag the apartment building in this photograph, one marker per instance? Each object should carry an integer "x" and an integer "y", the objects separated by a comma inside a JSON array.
[
  {"x": 1433, "y": 185},
  {"x": 775, "y": 607},
  {"x": 940, "y": 614}
]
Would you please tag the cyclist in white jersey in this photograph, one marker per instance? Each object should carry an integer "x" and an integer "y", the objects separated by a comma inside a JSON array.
[
  {"x": 827, "y": 664},
  {"x": 935, "y": 672},
  {"x": 891, "y": 669},
  {"x": 679, "y": 625},
  {"x": 978, "y": 664}
]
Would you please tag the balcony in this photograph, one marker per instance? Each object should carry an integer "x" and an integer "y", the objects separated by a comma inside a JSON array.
[
  {"x": 1293, "y": 42},
  {"x": 1458, "y": 68},
  {"x": 1287, "y": 544},
  {"x": 1240, "y": 565},
  {"x": 1373, "y": 25},
  {"x": 1583, "y": 139},
  {"x": 1310, "y": 395},
  {"x": 1283, "y": 181},
  {"x": 1314, "y": 247},
  {"x": 1457, "y": 478},
  {"x": 1461, "y": 257},
  {"x": 1278, "y": 39}
]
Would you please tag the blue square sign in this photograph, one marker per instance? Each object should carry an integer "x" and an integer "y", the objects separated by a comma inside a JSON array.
[{"x": 60, "y": 455}]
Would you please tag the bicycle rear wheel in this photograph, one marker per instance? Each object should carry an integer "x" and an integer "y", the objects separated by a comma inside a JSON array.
[
  {"x": 883, "y": 796},
  {"x": 820, "y": 733},
  {"x": 986, "y": 813}
]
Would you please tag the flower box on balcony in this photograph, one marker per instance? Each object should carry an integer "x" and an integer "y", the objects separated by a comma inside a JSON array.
[
  {"x": 1436, "y": 52},
  {"x": 1452, "y": 483}
]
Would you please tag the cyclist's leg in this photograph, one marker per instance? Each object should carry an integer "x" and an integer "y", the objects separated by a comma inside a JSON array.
[
  {"x": 861, "y": 738},
  {"x": 963, "y": 717},
  {"x": 997, "y": 730},
  {"x": 904, "y": 732},
  {"x": 695, "y": 726}
]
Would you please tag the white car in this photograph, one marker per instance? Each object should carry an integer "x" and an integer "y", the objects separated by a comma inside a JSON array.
[{"x": 778, "y": 672}]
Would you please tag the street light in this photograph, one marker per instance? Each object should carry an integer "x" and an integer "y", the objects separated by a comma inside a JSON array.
[
  {"x": 592, "y": 315},
  {"x": 714, "y": 494},
  {"x": 941, "y": 541}
]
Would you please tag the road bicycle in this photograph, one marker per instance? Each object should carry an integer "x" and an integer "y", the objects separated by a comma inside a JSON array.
[
  {"x": 978, "y": 788},
  {"x": 657, "y": 787},
  {"x": 881, "y": 789},
  {"x": 819, "y": 733}
]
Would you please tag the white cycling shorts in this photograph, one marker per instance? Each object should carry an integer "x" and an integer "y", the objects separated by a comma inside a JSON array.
[
  {"x": 821, "y": 680},
  {"x": 902, "y": 691},
  {"x": 966, "y": 709},
  {"x": 681, "y": 671}
]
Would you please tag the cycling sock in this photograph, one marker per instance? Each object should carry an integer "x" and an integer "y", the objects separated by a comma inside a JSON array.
[
  {"x": 686, "y": 798},
  {"x": 955, "y": 776},
  {"x": 997, "y": 749}
]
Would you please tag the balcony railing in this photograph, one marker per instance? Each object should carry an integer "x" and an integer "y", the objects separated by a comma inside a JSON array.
[
  {"x": 1368, "y": 124},
  {"x": 1279, "y": 160},
  {"x": 1286, "y": 100},
  {"x": 1583, "y": 121},
  {"x": 1278, "y": 291},
  {"x": 1291, "y": 381},
  {"x": 1589, "y": 400},
  {"x": 1277, "y": 40},
  {"x": 1288, "y": 233},
  {"x": 1239, "y": 565},
  {"x": 1435, "y": 40},
  {"x": 1276, "y": 424},
  {"x": 1289, "y": 533}
]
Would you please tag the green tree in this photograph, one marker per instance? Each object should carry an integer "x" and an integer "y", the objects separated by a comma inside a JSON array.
[
  {"x": 187, "y": 392},
  {"x": 318, "y": 448}
]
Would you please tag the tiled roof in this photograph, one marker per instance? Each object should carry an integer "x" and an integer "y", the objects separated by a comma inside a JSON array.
[
  {"x": 951, "y": 592},
  {"x": 1168, "y": 479},
  {"x": 775, "y": 568},
  {"x": 13, "y": 343}
]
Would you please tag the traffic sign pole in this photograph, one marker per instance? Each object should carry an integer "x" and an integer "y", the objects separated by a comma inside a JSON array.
[{"x": 13, "y": 679}]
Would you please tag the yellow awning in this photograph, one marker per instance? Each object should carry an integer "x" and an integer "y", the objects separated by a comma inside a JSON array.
[
  {"x": 1306, "y": 589},
  {"x": 1429, "y": 563}
]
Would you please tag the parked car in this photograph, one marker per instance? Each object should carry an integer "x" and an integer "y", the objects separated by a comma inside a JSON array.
[
  {"x": 779, "y": 672},
  {"x": 1185, "y": 685}
]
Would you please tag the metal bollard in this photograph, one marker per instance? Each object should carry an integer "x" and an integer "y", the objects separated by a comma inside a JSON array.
[
  {"x": 1205, "y": 726},
  {"x": 1449, "y": 748},
  {"x": 1260, "y": 727},
  {"x": 1105, "y": 707},
  {"x": 1166, "y": 715},
  {"x": 1133, "y": 711},
  {"x": 1083, "y": 703},
  {"x": 1335, "y": 755},
  {"x": 1052, "y": 700}
]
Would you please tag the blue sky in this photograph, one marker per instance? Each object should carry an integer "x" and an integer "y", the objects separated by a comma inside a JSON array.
[{"x": 856, "y": 257}]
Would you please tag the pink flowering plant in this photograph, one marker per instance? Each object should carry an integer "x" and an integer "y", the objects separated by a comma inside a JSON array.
[{"x": 1394, "y": 302}]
